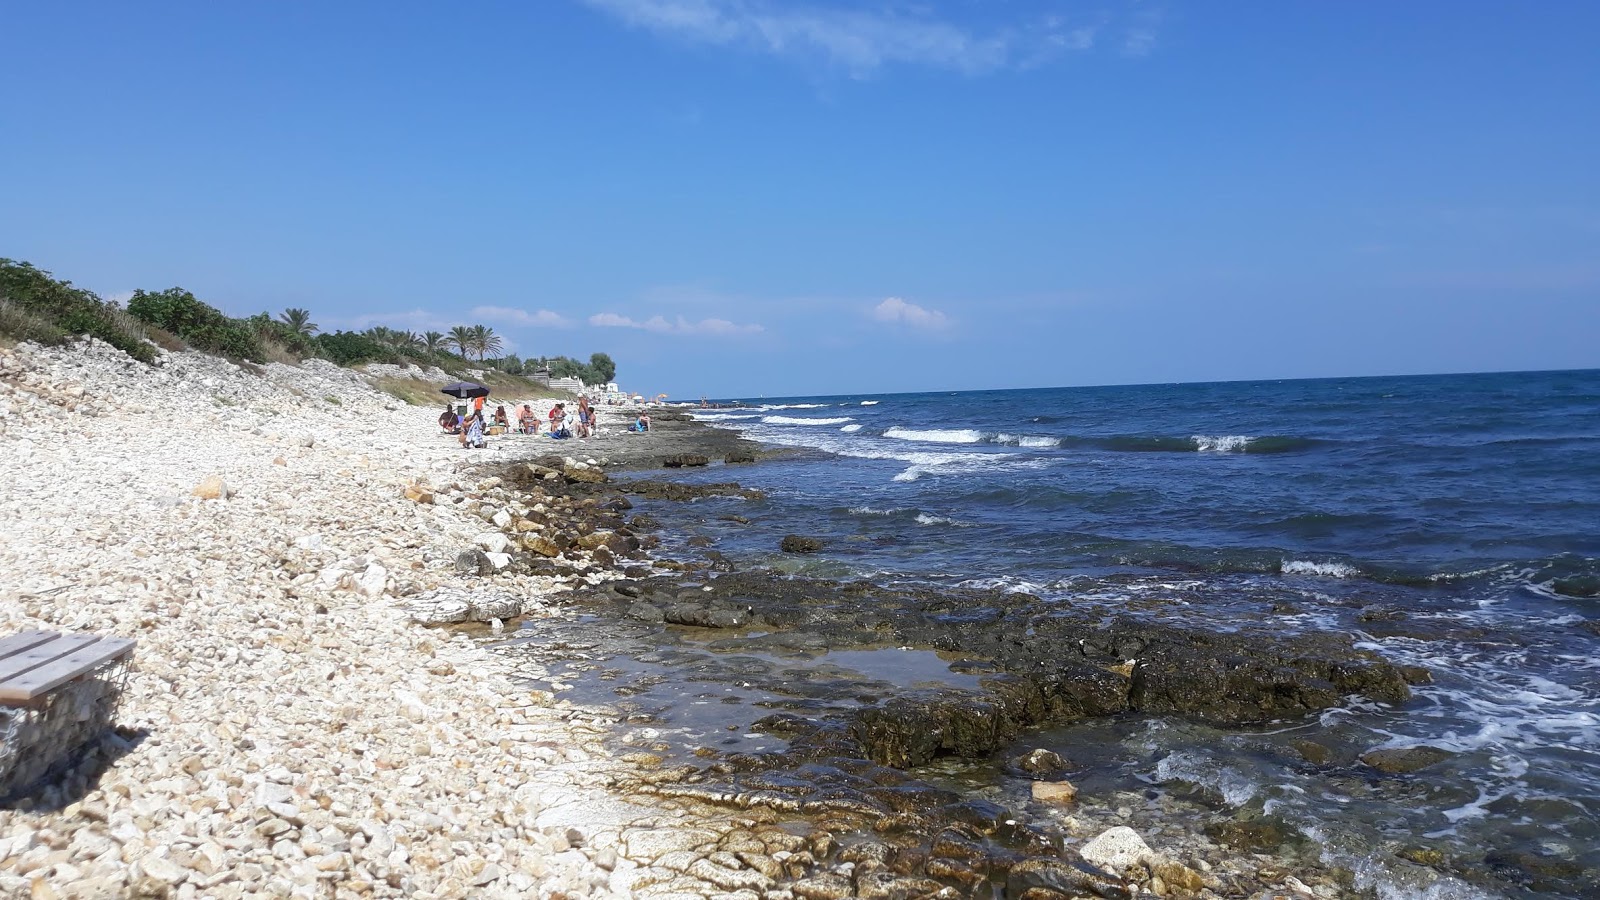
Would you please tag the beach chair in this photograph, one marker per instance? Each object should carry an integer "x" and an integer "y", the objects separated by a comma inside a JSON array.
[{"x": 58, "y": 692}]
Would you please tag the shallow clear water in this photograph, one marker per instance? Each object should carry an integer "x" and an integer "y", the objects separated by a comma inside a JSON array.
[{"x": 1451, "y": 522}]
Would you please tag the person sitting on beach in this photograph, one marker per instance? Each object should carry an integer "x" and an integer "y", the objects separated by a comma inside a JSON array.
[
  {"x": 558, "y": 421},
  {"x": 527, "y": 420},
  {"x": 449, "y": 421},
  {"x": 472, "y": 431},
  {"x": 500, "y": 417},
  {"x": 643, "y": 423}
]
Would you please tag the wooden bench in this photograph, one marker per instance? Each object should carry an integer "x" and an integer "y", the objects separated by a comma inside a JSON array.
[
  {"x": 58, "y": 694},
  {"x": 34, "y": 663}
]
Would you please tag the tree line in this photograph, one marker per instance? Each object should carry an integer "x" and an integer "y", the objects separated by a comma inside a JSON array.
[{"x": 36, "y": 306}]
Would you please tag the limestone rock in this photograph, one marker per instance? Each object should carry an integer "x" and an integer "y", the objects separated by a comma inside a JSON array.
[{"x": 1115, "y": 849}]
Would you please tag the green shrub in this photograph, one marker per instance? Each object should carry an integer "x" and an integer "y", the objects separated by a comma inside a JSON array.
[
  {"x": 204, "y": 327},
  {"x": 352, "y": 348},
  {"x": 55, "y": 311}
]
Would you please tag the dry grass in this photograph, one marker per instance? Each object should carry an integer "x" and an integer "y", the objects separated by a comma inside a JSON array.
[
  {"x": 422, "y": 392},
  {"x": 18, "y": 325}
]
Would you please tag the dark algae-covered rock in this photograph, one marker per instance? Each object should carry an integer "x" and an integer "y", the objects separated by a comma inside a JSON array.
[
  {"x": 796, "y": 543},
  {"x": 1400, "y": 760}
]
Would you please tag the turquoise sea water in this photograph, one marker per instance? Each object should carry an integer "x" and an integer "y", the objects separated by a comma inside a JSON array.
[{"x": 1445, "y": 521}]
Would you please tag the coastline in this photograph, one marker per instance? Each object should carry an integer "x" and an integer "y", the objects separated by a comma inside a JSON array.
[{"x": 289, "y": 728}]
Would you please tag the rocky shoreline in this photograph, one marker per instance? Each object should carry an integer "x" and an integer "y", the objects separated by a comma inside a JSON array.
[{"x": 279, "y": 540}]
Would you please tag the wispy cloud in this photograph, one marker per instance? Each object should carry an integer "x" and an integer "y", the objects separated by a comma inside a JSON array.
[
  {"x": 855, "y": 38},
  {"x": 680, "y": 325},
  {"x": 898, "y": 311},
  {"x": 542, "y": 318}
]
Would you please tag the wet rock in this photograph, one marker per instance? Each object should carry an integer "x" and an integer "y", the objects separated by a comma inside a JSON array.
[
  {"x": 1402, "y": 760},
  {"x": 1041, "y": 763},
  {"x": 1264, "y": 833},
  {"x": 739, "y": 456},
  {"x": 1057, "y": 792},
  {"x": 1179, "y": 876},
  {"x": 1422, "y": 856},
  {"x": 1313, "y": 752},
  {"x": 703, "y": 617},
  {"x": 795, "y": 543},
  {"x": 684, "y": 460},
  {"x": 1035, "y": 877},
  {"x": 1539, "y": 873}
]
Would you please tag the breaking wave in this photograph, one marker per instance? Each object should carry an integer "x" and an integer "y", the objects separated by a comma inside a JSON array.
[
  {"x": 796, "y": 420},
  {"x": 937, "y": 435}
]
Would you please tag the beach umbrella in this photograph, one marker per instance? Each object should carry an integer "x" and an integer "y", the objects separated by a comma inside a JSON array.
[
  {"x": 465, "y": 389},
  {"x": 661, "y": 396}
]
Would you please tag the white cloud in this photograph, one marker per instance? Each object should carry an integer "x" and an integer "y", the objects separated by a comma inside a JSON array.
[
  {"x": 543, "y": 318},
  {"x": 850, "y": 37},
  {"x": 660, "y": 325},
  {"x": 898, "y": 311},
  {"x": 120, "y": 298}
]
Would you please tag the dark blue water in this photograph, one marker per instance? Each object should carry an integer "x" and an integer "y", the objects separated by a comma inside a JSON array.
[{"x": 1446, "y": 521}]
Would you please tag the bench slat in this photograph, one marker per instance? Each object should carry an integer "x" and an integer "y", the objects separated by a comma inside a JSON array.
[
  {"x": 62, "y": 669},
  {"x": 23, "y": 640},
  {"x": 34, "y": 657}
]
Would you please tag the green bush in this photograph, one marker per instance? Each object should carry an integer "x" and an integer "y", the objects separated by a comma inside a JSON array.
[
  {"x": 352, "y": 348},
  {"x": 53, "y": 311},
  {"x": 204, "y": 327}
]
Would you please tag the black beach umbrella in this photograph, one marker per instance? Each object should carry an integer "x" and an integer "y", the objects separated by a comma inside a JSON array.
[{"x": 465, "y": 389}]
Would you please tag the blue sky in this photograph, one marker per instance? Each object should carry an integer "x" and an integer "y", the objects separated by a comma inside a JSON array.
[{"x": 739, "y": 197}]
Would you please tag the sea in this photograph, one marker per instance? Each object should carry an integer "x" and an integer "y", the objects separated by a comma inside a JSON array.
[{"x": 1449, "y": 521}]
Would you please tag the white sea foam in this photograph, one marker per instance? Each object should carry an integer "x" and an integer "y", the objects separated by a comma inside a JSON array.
[
  {"x": 870, "y": 511},
  {"x": 799, "y": 420},
  {"x": 936, "y": 435},
  {"x": 869, "y": 403},
  {"x": 1225, "y": 443},
  {"x": 793, "y": 406},
  {"x": 851, "y": 429},
  {"x": 1312, "y": 567},
  {"x": 722, "y": 417},
  {"x": 1235, "y": 787},
  {"x": 912, "y": 473},
  {"x": 925, "y": 519}
]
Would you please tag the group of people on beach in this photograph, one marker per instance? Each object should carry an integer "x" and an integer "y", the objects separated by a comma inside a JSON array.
[{"x": 472, "y": 427}]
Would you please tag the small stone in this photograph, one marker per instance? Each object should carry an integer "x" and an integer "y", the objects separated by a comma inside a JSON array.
[
  {"x": 795, "y": 543},
  {"x": 212, "y": 487},
  {"x": 1054, "y": 791},
  {"x": 164, "y": 870}
]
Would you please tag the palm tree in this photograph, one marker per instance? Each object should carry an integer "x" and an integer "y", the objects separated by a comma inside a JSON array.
[
  {"x": 485, "y": 341},
  {"x": 299, "y": 321},
  {"x": 462, "y": 338},
  {"x": 408, "y": 340},
  {"x": 434, "y": 341}
]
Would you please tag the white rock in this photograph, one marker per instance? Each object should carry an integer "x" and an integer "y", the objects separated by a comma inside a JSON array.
[
  {"x": 493, "y": 542},
  {"x": 499, "y": 560},
  {"x": 1115, "y": 849},
  {"x": 372, "y": 582}
]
